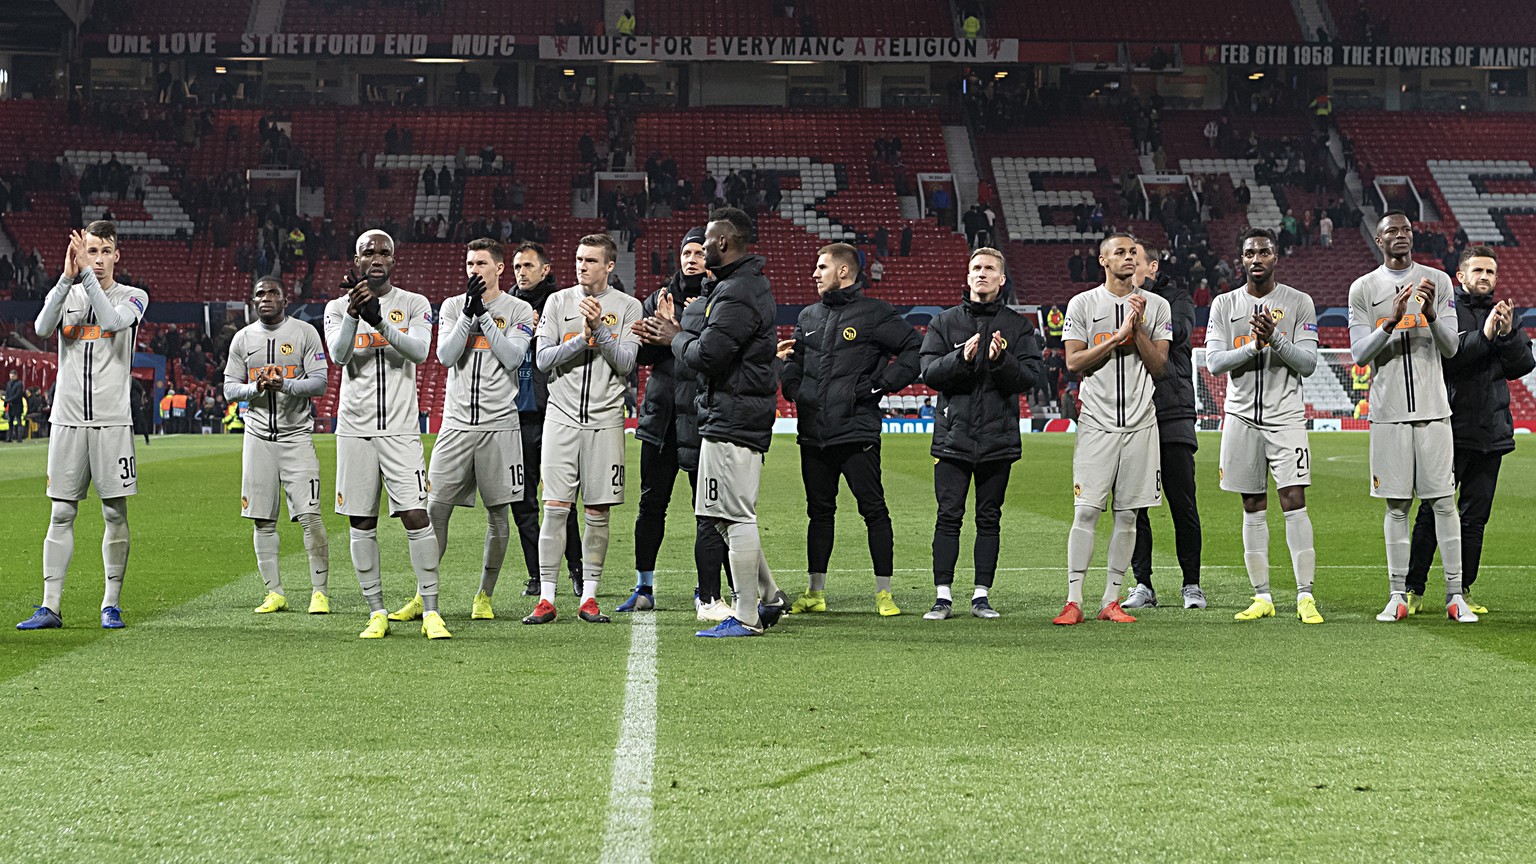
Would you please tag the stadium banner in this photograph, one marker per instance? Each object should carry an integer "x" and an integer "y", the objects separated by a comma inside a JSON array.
[
  {"x": 763, "y": 48},
  {"x": 1319, "y": 54}
]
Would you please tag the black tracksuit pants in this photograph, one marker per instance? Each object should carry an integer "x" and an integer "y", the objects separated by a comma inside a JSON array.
[
  {"x": 951, "y": 485},
  {"x": 1179, "y": 495},
  {"x": 821, "y": 468},
  {"x": 1477, "y": 476},
  {"x": 658, "y": 475},
  {"x": 525, "y": 513}
]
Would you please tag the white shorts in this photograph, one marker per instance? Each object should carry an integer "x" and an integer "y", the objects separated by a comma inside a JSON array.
[
  {"x": 360, "y": 462},
  {"x": 1416, "y": 458},
  {"x": 463, "y": 461},
  {"x": 728, "y": 479},
  {"x": 267, "y": 466},
  {"x": 585, "y": 461},
  {"x": 1248, "y": 453},
  {"x": 81, "y": 455},
  {"x": 1128, "y": 464}
]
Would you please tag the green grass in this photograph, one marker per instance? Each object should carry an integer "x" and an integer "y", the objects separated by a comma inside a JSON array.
[{"x": 203, "y": 732}]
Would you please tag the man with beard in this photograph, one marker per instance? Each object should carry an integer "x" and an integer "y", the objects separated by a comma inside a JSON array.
[
  {"x": 378, "y": 333},
  {"x": 1493, "y": 350},
  {"x": 277, "y": 365},
  {"x": 669, "y": 441},
  {"x": 530, "y": 267}
]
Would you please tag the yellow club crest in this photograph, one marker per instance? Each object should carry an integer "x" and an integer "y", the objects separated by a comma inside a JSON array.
[
  {"x": 340, "y": 500},
  {"x": 245, "y": 503},
  {"x": 396, "y": 316},
  {"x": 1276, "y": 314},
  {"x": 1077, "y": 490},
  {"x": 610, "y": 319},
  {"x": 286, "y": 348},
  {"x": 850, "y": 334},
  {"x": 501, "y": 323}
]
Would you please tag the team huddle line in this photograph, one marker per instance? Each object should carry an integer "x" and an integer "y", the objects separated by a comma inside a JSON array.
[{"x": 535, "y": 399}]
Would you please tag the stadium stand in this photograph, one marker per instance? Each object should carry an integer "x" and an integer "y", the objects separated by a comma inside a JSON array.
[
  {"x": 1425, "y": 22},
  {"x": 1265, "y": 21},
  {"x": 856, "y": 18},
  {"x": 443, "y": 18}
]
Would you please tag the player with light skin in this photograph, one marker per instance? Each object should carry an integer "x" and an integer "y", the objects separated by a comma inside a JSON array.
[
  {"x": 1117, "y": 444},
  {"x": 1265, "y": 337},
  {"x": 482, "y": 337},
  {"x": 379, "y": 333},
  {"x": 586, "y": 345},
  {"x": 1403, "y": 321},
  {"x": 533, "y": 285},
  {"x": 92, "y": 440},
  {"x": 277, "y": 365}
]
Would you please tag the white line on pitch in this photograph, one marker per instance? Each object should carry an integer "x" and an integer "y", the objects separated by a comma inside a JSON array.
[{"x": 628, "y": 835}]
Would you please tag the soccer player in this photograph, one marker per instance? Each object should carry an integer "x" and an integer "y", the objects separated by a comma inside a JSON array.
[
  {"x": 850, "y": 350},
  {"x": 1402, "y": 321},
  {"x": 586, "y": 344},
  {"x": 482, "y": 336},
  {"x": 980, "y": 356},
  {"x": 669, "y": 441},
  {"x": 1264, "y": 337},
  {"x": 1493, "y": 350},
  {"x": 734, "y": 353},
  {"x": 535, "y": 285},
  {"x": 277, "y": 365},
  {"x": 1173, "y": 399},
  {"x": 1116, "y": 336},
  {"x": 97, "y": 319},
  {"x": 378, "y": 333}
]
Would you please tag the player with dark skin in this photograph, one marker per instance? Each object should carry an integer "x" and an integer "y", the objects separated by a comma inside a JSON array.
[
  {"x": 1394, "y": 237},
  {"x": 1259, "y": 257},
  {"x": 1119, "y": 257},
  {"x": 376, "y": 261}
]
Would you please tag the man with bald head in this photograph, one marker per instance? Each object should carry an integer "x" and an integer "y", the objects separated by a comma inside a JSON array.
[{"x": 378, "y": 333}]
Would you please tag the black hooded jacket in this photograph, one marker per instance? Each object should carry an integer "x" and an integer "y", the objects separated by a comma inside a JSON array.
[
  {"x": 733, "y": 354},
  {"x": 666, "y": 392},
  {"x": 1173, "y": 395},
  {"x": 978, "y": 413},
  {"x": 850, "y": 350},
  {"x": 1478, "y": 375}
]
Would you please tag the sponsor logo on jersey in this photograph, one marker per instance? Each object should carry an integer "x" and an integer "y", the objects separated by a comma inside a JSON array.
[
  {"x": 396, "y": 316},
  {"x": 137, "y": 304},
  {"x": 286, "y": 348},
  {"x": 1309, "y": 327},
  {"x": 319, "y": 357},
  {"x": 525, "y": 329},
  {"x": 850, "y": 334}
]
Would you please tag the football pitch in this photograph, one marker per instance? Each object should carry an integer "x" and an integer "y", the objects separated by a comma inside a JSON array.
[{"x": 203, "y": 732}]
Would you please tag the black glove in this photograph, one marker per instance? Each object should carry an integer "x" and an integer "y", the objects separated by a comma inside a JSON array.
[
  {"x": 348, "y": 282},
  {"x": 474, "y": 297},
  {"x": 370, "y": 312}
]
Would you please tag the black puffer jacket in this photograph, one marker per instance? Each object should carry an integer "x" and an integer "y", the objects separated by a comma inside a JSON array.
[
  {"x": 1173, "y": 396},
  {"x": 978, "y": 414},
  {"x": 850, "y": 350},
  {"x": 529, "y": 373},
  {"x": 663, "y": 390},
  {"x": 733, "y": 353},
  {"x": 1478, "y": 377}
]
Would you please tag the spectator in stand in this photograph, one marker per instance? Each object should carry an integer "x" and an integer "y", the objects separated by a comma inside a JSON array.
[
  {"x": 876, "y": 271},
  {"x": 906, "y": 240},
  {"x": 940, "y": 203},
  {"x": 971, "y": 26},
  {"x": 626, "y": 24},
  {"x": 882, "y": 242},
  {"x": 1212, "y": 131},
  {"x": 1202, "y": 294},
  {"x": 1243, "y": 195},
  {"x": 1075, "y": 266},
  {"x": 1325, "y": 231},
  {"x": 926, "y": 411}
]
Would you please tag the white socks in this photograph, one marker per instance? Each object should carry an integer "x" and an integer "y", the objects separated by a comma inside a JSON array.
[
  {"x": 594, "y": 550},
  {"x": 114, "y": 549},
  {"x": 264, "y": 538},
  {"x": 1122, "y": 543},
  {"x": 1448, "y": 535},
  {"x": 1080, "y": 550},
  {"x": 1298, "y": 536},
  {"x": 365, "y": 560},
  {"x": 1397, "y": 534},
  {"x": 58, "y": 549},
  {"x": 498, "y": 530},
  {"x": 1256, "y": 550},
  {"x": 318, "y": 544}
]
